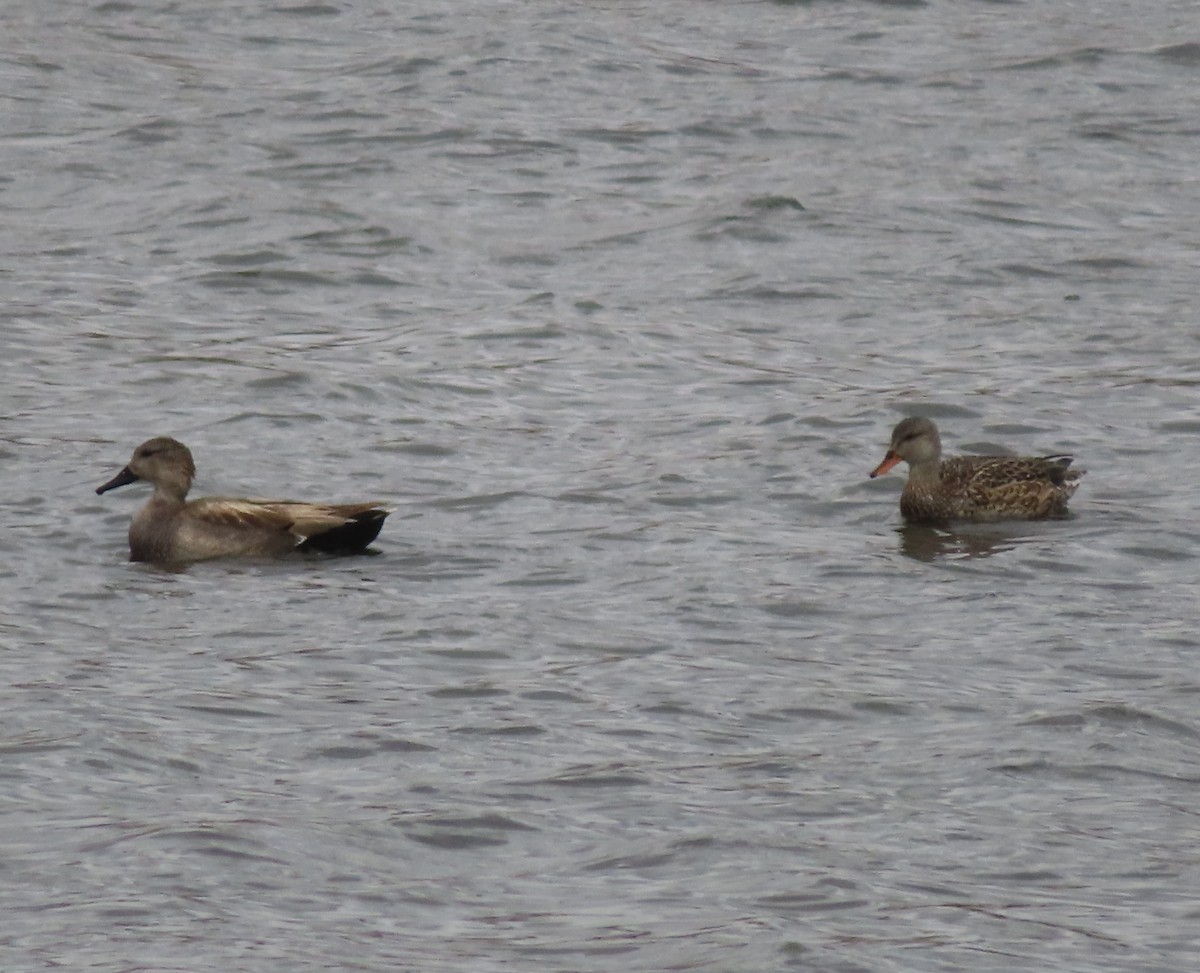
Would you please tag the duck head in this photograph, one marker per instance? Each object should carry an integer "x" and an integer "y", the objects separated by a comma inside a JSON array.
[
  {"x": 163, "y": 461},
  {"x": 915, "y": 441}
]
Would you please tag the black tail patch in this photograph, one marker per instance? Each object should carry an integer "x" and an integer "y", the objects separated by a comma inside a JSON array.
[{"x": 351, "y": 538}]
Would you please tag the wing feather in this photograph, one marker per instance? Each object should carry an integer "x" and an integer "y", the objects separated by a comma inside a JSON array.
[{"x": 240, "y": 514}]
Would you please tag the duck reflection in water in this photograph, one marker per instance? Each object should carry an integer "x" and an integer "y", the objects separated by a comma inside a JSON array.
[{"x": 924, "y": 543}]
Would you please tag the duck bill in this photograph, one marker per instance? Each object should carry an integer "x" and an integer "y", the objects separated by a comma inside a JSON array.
[
  {"x": 889, "y": 461},
  {"x": 121, "y": 479}
]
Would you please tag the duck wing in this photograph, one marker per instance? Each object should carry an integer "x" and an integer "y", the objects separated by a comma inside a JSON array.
[
  {"x": 223, "y": 526},
  {"x": 226, "y": 512},
  {"x": 344, "y": 526},
  {"x": 1026, "y": 486}
]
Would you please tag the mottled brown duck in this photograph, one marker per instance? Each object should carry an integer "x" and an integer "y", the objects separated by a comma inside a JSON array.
[
  {"x": 171, "y": 530},
  {"x": 975, "y": 489}
]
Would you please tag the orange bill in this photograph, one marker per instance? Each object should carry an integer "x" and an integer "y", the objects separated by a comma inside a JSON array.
[{"x": 890, "y": 460}]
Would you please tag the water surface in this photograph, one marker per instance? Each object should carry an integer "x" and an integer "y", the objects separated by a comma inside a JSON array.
[{"x": 616, "y": 306}]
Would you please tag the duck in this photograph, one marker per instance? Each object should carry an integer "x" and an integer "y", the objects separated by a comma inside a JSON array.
[
  {"x": 975, "y": 489},
  {"x": 170, "y": 529}
]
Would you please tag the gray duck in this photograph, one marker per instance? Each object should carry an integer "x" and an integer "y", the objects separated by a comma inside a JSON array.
[{"x": 170, "y": 529}]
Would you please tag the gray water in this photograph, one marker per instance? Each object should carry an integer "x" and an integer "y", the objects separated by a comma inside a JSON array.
[{"x": 615, "y": 304}]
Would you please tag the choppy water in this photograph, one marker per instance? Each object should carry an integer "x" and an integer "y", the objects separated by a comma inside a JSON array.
[{"x": 616, "y": 304}]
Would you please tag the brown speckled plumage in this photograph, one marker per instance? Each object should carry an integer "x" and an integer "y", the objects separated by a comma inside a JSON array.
[{"x": 975, "y": 488}]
